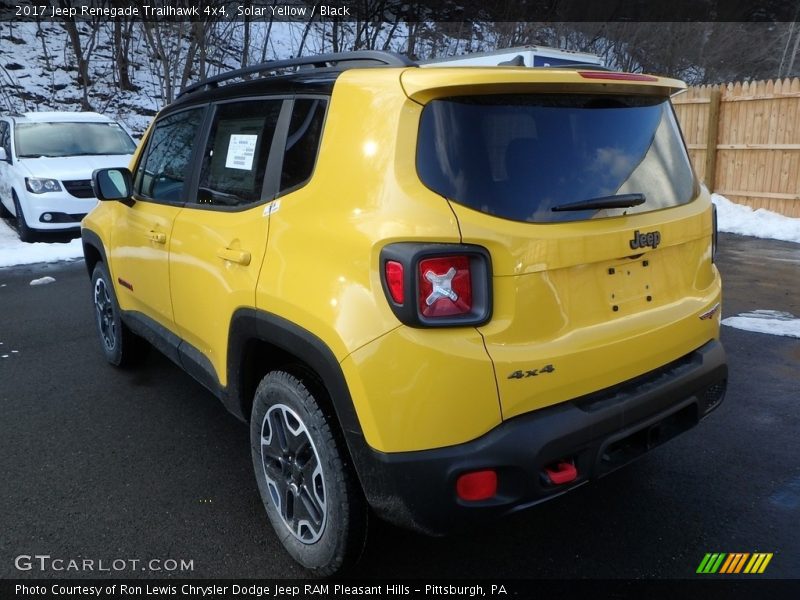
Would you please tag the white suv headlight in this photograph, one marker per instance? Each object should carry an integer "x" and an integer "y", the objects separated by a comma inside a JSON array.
[{"x": 40, "y": 186}]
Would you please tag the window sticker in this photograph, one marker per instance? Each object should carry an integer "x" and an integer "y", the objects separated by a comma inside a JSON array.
[{"x": 241, "y": 150}]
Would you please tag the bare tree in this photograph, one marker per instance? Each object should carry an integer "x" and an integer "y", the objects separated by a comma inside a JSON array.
[
  {"x": 790, "y": 48},
  {"x": 197, "y": 41},
  {"x": 411, "y": 39},
  {"x": 172, "y": 47},
  {"x": 45, "y": 52},
  {"x": 162, "y": 53},
  {"x": 698, "y": 52},
  {"x": 8, "y": 85},
  {"x": 82, "y": 50},
  {"x": 307, "y": 29},
  {"x": 123, "y": 32},
  {"x": 246, "y": 40},
  {"x": 265, "y": 43}
]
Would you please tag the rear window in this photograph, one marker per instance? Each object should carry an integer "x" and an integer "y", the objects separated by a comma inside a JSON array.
[{"x": 519, "y": 156}]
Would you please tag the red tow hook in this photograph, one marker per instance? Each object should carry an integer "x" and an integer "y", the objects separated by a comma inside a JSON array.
[{"x": 562, "y": 472}]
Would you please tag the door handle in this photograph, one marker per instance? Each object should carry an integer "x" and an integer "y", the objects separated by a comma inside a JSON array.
[
  {"x": 157, "y": 236},
  {"x": 241, "y": 257}
]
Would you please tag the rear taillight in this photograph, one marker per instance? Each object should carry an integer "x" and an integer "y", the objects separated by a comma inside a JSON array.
[
  {"x": 437, "y": 285},
  {"x": 445, "y": 286}
]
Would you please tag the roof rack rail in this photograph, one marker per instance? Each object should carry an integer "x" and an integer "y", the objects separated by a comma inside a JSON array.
[{"x": 360, "y": 57}]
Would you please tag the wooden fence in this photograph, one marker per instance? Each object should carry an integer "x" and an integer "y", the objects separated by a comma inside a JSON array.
[{"x": 744, "y": 141}]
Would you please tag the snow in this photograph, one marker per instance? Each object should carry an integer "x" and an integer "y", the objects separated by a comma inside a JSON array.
[
  {"x": 44, "y": 80},
  {"x": 37, "y": 70},
  {"x": 14, "y": 252},
  {"x": 43, "y": 281},
  {"x": 761, "y": 223},
  {"x": 773, "y": 322}
]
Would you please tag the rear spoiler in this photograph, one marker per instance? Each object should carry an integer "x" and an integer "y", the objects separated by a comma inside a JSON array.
[{"x": 424, "y": 85}]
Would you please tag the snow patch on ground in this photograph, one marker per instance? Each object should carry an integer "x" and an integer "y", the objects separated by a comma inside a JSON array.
[
  {"x": 773, "y": 322},
  {"x": 761, "y": 223},
  {"x": 43, "y": 281},
  {"x": 14, "y": 252}
]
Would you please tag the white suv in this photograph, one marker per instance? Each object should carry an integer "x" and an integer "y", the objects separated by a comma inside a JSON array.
[{"x": 46, "y": 165}]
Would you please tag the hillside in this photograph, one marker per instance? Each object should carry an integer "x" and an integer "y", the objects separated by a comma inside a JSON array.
[{"x": 38, "y": 70}]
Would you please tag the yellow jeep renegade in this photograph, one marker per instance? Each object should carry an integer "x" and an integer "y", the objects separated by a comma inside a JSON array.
[{"x": 438, "y": 295}]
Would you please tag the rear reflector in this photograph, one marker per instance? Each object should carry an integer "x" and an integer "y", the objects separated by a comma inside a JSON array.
[
  {"x": 562, "y": 472},
  {"x": 445, "y": 286},
  {"x": 394, "y": 281},
  {"x": 616, "y": 76},
  {"x": 478, "y": 485}
]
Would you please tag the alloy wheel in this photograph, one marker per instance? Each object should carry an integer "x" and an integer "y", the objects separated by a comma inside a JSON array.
[
  {"x": 105, "y": 314},
  {"x": 294, "y": 474}
]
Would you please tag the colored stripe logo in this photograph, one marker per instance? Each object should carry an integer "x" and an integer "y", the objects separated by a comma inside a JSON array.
[{"x": 734, "y": 563}]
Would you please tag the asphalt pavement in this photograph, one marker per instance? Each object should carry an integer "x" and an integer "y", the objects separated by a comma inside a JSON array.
[{"x": 106, "y": 465}]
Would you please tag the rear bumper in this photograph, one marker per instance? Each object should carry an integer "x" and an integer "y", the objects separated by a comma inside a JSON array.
[{"x": 599, "y": 433}]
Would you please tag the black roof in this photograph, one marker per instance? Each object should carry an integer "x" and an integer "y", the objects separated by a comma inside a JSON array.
[
  {"x": 295, "y": 83},
  {"x": 314, "y": 74}
]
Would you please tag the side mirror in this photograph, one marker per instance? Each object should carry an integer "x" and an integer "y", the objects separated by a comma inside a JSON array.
[
  {"x": 112, "y": 184},
  {"x": 3, "y": 155}
]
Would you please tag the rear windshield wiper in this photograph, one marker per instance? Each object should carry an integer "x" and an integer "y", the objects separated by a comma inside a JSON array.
[{"x": 618, "y": 201}]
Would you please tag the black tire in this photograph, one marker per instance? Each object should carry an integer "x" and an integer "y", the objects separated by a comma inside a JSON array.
[
  {"x": 119, "y": 344},
  {"x": 311, "y": 495},
  {"x": 26, "y": 234}
]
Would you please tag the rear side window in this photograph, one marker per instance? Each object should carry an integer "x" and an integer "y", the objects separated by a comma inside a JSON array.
[
  {"x": 162, "y": 172},
  {"x": 518, "y": 156},
  {"x": 302, "y": 143},
  {"x": 235, "y": 160}
]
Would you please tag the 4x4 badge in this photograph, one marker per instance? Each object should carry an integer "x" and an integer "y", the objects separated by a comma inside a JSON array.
[
  {"x": 643, "y": 240},
  {"x": 531, "y": 372}
]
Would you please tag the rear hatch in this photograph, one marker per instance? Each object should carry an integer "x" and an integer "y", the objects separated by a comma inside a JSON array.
[{"x": 580, "y": 187}]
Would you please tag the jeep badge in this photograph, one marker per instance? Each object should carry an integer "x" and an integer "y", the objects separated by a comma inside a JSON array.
[{"x": 643, "y": 240}]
